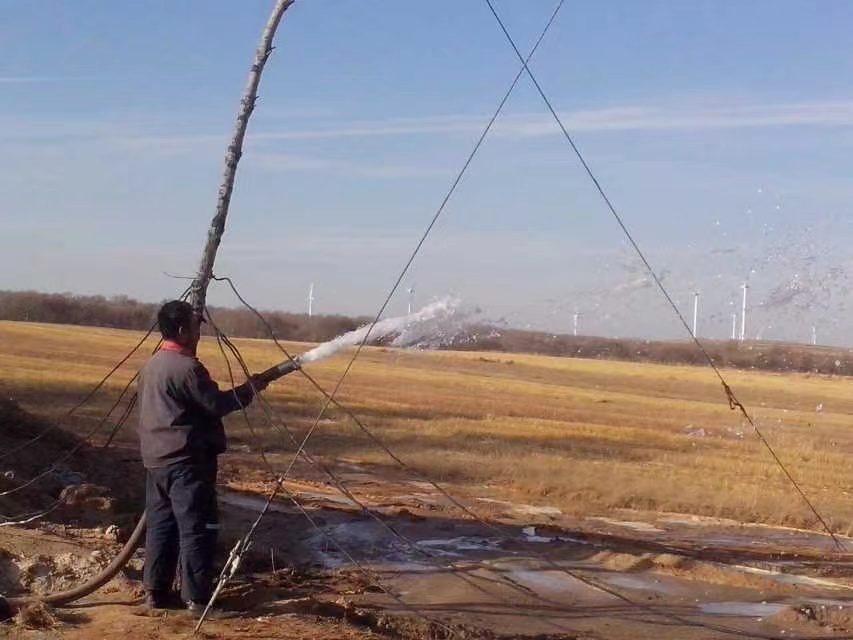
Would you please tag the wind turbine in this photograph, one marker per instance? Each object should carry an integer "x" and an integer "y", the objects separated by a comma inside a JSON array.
[
  {"x": 743, "y": 313},
  {"x": 411, "y": 291},
  {"x": 695, "y": 311},
  {"x": 310, "y": 300}
]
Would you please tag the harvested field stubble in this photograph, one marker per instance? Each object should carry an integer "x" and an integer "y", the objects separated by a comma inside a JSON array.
[{"x": 585, "y": 436}]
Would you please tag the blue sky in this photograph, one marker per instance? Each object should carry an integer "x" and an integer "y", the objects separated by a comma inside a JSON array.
[{"x": 721, "y": 131}]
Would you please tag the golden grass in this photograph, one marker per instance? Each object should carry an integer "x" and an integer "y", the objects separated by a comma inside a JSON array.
[{"x": 585, "y": 436}]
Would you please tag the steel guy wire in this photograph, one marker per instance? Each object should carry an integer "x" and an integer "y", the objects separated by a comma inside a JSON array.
[
  {"x": 270, "y": 416},
  {"x": 83, "y": 442},
  {"x": 352, "y": 415},
  {"x": 274, "y": 420},
  {"x": 29, "y": 517},
  {"x": 55, "y": 425},
  {"x": 331, "y": 397},
  {"x": 434, "y": 220},
  {"x": 125, "y": 415},
  {"x": 364, "y": 570},
  {"x": 734, "y": 403},
  {"x": 575, "y": 574},
  {"x": 122, "y": 420},
  {"x": 244, "y": 543},
  {"x": 26, "y": 518}
]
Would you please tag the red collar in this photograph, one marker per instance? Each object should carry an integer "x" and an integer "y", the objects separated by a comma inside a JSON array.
[{"x": 168, "y": 345}]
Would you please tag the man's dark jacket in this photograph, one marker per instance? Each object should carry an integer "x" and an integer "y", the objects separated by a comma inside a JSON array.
[{"x": 181, "y": 409}]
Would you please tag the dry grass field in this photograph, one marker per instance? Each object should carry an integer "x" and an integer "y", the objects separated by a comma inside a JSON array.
[{"x": 586, "y": 436}]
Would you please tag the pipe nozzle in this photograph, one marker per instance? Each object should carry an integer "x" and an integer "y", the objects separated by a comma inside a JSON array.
[{"x": 280, "y": 370}]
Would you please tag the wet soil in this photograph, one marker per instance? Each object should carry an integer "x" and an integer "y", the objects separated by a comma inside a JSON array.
[
  {"x": 398, "y": 559},
  {"x": 416, "y": 567}
]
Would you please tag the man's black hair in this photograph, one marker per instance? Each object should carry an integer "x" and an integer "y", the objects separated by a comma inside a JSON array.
[{"x": 174, "y": 316}]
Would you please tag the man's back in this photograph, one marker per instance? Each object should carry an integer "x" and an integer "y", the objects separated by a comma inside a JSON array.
[{"x": 180, "y": 410}]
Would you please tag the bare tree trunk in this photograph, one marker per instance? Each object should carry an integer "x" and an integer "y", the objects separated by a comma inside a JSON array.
[
  {"x": 199, "y": 288},
  {"x": 232, "y": 157}
]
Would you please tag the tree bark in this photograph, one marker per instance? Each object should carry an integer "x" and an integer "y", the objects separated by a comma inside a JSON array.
[
  {"x": 232, "y": 157},
  {"x": 199, "y": 286}
]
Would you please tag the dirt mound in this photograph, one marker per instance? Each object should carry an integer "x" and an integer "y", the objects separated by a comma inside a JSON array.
[
  {"x": 88, "y": 489},
  {"x": 47, "y": 574}
]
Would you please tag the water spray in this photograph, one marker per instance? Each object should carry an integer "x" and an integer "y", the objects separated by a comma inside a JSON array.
[{"x": 436, "y": 322}]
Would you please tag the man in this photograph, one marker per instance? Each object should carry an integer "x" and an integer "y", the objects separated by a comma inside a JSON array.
[{"x": 181, "y": 434}]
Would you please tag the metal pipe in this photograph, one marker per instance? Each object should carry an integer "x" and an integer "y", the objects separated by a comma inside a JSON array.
[{"x": 279, "y": 370}]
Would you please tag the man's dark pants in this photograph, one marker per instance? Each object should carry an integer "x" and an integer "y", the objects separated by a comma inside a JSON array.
[{"x": 182, "y": 522}]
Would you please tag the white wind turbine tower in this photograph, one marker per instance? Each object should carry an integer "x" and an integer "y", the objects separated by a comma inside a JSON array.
[
  {"x": 311, "y": 300},
  {"x": 695, "y": 311},
  {"x": 575, "y": 328},
  {"x": 743, "y": 313},
  {"x": 411, "y": 292}
]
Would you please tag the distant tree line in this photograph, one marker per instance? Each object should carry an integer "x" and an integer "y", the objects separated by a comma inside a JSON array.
[
  {"x": 122, "y": 312},
  {"x": 759, "y": 355}
]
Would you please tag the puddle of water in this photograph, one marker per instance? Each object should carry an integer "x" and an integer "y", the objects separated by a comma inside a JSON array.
[
  {"x": 530, "y": 535},
  {"x": 743, "y": 609},
  {"x": 462, "y": 543},
  {"x": 529, "y": 573},
  {"x": 368, "y": 541},
  {"x": 363, "y": 539},
  {"x": 644, "y": 582},
  {"x": 549, "y": 580}
]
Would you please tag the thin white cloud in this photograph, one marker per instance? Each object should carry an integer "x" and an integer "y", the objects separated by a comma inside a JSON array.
[
  {"x": 690, "y": 118},
  {"x": 290, "y": 162},
  {"x": 345, "y": 246},
  {"x": 633, "y": 118},
  {"x": 440, "y": 125},
  {"x": 620, "y": 119}
]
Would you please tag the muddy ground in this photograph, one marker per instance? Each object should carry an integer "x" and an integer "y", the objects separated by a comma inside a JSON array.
[{"x": 413, "y": 564}]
